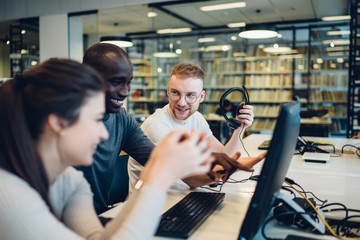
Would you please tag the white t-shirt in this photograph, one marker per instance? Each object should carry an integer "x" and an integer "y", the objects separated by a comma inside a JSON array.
[
  {"x": 156, "y": 127},
  {"x": 25, "y": 215}
]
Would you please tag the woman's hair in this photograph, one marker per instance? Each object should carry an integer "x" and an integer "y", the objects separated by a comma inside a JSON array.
[{"x": 57, "y": 86}]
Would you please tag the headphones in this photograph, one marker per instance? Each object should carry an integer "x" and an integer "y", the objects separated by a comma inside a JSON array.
[{"x": 232, "y": 122}]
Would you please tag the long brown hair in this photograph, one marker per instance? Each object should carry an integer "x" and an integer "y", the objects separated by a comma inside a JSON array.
[{"x": 57, "y": 86}]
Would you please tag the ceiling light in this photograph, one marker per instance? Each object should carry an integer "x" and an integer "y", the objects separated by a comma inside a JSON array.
[
  {"x": 233, "y": 38},
  {"x": 259, "y": 32},
  {"x": 319, "y": 60},
  {"x": 152, "y": 14},
  {"x": 223, "y": 6},
  {"x": 332, "y": 33},
  {"x": 178, "y": 51},
  {"x": 209, "y": 39},
  {"x": 337, "y": 42},
  {"x": 23, "y": 32},
  {"x": 118, "y": 41},
  {"x": 165, "y": 54},
  {"x": 336, "y": 18},
  {"x": 173, "y": 30},
  {"x": 216, "y": 48},
  {"x": 277, "y": 49},
  {"x": 235, "y": 25}
]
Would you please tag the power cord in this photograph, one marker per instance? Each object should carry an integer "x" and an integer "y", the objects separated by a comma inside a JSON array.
[
  {"x": 319, "y": 215},
  {"x": 242, "y": 143},
  {"x": 267, "y": 221}
]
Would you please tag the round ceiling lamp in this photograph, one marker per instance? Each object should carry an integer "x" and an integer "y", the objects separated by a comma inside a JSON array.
[
  {"x": 258, "y": 32},
  {"x": 118, "y": 41}
]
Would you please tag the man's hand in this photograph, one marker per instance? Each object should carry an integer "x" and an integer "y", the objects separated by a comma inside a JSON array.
[
  {"x": 224, "y": 166},
  {"x": 245, "y": 115}
]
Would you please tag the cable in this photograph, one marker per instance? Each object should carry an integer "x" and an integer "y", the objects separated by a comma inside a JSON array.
[
  {"x": 242, "y": 142},
  {"x": 319, "y": 215},
  {"x": 277, "y": 216}
]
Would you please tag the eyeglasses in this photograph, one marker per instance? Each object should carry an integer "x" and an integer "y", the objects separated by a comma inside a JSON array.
[{"x": 190, "y": 98}]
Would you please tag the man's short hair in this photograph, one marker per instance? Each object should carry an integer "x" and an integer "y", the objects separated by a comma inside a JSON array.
[
  {"x": 188, "y": 70},
  {"x": 98, "y": 55}
]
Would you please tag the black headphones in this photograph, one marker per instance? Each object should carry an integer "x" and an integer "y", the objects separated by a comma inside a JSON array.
[{"x": 232, "y": 122}]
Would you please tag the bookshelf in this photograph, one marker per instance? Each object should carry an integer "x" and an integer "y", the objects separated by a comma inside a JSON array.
[
  {"x": 353, "y": 107},
  {"x": 313, "y": 70}
]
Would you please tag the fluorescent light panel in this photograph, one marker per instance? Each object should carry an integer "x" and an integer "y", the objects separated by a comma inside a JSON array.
[
  {"x": 223, "y": 6},
  {"x": 337, "y": 41},
  {"x": 165, "y": 54},
  {"x": 173, "y": 30},
  {"x": 235, "y": 25},
  {"x": 336, "y": 18},
  {"x": 209, "y": 39},
  {"x": 152, "y": 14},
  {"x": 332, "y": 33}
]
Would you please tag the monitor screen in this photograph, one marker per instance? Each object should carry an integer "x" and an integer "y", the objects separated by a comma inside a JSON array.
[{"x": 273, "y": 172}]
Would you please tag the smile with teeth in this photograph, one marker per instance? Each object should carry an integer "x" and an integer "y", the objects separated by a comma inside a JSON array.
[
  {"x": 117, "y": 102},
  {"x": 181, "y": 110}
]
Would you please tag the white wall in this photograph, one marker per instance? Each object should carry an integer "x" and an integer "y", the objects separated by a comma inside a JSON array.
[
  {"x": 53, "y": 37},
  {"x": 76, "y": 45}
]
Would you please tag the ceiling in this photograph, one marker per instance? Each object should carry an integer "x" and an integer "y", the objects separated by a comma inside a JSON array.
[{"x": 178, "y": 14}]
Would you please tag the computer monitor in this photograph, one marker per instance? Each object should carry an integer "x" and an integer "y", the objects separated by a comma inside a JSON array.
[{"x": 272, "y": 176}]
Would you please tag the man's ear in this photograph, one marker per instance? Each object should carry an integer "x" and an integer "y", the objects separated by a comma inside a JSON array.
[
  {"x": 56, "y": 124},
  {"x": 202, "y": 96}
]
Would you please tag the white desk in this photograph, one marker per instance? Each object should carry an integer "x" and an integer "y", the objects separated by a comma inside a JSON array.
[{"x": 337, "y": 181}]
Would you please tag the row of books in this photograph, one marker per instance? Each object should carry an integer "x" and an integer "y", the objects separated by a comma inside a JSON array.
[
  {"x": 266, "y": 81},
  {"x": 253, "y": 66},
  {"x": 334, "y": 111},
  {"x": 142, "y": 69},
  {"x": 254, "y": 95},
  {"x": 327, "y": 80},
  {"x": 266, "y": 110},
  {"x": 263, "y": 125},
  {"x": 331, "y": 96}
]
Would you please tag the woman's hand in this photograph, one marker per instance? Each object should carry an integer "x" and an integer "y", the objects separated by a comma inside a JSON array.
[{"x": 178, "y": 155}]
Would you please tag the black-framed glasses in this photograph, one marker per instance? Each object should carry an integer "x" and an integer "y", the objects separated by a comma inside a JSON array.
[{"x": 190, "y": 98}]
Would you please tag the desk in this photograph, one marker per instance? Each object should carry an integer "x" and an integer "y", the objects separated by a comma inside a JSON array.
[{"x": 337, "y": 181}]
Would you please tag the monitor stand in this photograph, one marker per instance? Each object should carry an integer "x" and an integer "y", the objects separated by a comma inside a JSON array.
[
  {"x": 318, "y": 225},
  {"x": 281, "y": 231}
]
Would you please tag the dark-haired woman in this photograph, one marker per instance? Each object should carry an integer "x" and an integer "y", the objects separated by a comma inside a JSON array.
[{"x": 51, "y": 119}]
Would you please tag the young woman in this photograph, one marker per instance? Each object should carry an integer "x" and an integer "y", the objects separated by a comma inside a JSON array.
[{"x": 51, "y": 119}]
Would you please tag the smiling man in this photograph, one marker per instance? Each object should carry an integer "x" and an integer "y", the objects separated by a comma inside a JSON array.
[
  {"x": 125, "y": 134},
  {"x": 185, "y": 92}
]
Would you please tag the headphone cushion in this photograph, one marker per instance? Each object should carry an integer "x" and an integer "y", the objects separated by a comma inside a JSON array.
[{"x": 233, "y": 123}]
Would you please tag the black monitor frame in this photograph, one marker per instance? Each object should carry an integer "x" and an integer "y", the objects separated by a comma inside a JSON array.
[{"x": 276, "y": 164}]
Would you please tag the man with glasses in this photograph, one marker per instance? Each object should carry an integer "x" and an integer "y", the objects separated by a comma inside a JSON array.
[{"x": 185, "y": 92}]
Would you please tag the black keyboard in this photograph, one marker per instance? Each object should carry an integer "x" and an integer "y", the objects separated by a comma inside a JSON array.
[
  {"x": 264, "y": 145},
  {"x": 188, "y": 214}
]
